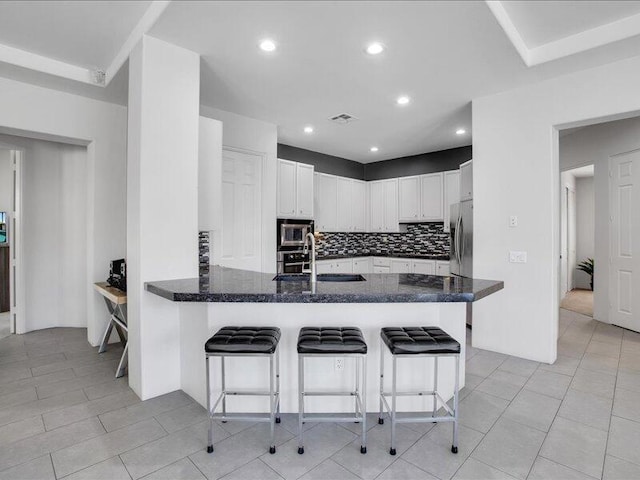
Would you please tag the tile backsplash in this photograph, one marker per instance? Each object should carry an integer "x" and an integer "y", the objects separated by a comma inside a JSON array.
[{"x": 419, "y": 239}]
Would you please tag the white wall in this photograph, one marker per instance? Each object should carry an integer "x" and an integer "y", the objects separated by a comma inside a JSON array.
[
  {"x": 32, "y": 111},
  {"x": 585, "y": 222},
  {"x": 254, "y": 135},
  {"x": 593, "y": 145},
  {"x": 515, "y": 146},
  {"x": 6, "y": 181}
]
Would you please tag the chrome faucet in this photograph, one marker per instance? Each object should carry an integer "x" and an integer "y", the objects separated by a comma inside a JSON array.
[{"x": 312, "y": 257}]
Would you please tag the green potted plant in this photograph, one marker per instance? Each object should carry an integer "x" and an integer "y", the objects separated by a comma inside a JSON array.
[{"x": 587, "y": 267}]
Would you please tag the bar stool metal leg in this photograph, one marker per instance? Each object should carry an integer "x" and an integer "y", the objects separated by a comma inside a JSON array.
[
  {"x": 210, "y": 433},
  {"x": 363, "y": 446},
  {"x": 272, "y": 405},
  {"x": 300, "y": 402},
  {"x": 278, "y": 385},
  {"x": 394, "y": 376},
  {"x": 224, "y": 390},
  {"x": 454, "y": 447},
  {"x": 382, "y": 347}
]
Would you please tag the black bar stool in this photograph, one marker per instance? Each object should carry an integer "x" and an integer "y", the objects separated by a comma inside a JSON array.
[
  {"x": 411, "y": 342},
  {"x": 245, "y": 342},
  {"x": 334, "y": 342}
]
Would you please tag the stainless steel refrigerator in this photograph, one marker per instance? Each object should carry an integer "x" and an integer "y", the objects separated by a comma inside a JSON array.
[{"x": 461, "y": 248}]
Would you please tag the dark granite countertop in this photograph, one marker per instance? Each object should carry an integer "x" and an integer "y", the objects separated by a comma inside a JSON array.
[
  {"x": 443, "y": 258},
  {"x": 233, "y": 285}
]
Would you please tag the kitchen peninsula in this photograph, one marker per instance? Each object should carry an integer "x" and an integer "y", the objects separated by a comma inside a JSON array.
[{"x": 227, "y": 296}]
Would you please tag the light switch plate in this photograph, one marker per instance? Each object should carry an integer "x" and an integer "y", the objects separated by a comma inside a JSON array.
[
  {"x": 513, "y": 221},
  {"x": 517, "y": 257}
]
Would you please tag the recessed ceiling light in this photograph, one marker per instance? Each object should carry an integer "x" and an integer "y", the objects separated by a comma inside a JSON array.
[
  {"x": 403, "y": 100},
  {"x": 267, "y": 45},
  {"x": 461, "y": 131},
  {"x": 373, "y": 149},
  {"x": 308, "y": 129},
  {"x": 374, "y": 48}
]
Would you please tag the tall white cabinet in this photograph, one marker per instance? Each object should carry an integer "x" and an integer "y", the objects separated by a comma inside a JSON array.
[
  {"x": 295, "y": 190},
  {"x": 451, "y": 194}
]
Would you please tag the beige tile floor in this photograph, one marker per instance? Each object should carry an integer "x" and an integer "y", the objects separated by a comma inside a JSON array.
[{"x": 63, "y": 415}]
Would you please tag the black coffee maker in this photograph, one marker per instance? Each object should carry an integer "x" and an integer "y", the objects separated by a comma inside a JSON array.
[{"x": 118, "y": 274}]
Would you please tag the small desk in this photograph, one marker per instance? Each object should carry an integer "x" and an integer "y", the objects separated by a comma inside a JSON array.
[{"x": 116, "y": 301}]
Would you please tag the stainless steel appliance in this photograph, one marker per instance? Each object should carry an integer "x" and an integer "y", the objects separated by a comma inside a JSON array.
[
  {"x": 291, "y": 233},
  {"x": 292, "y": 261},
  {"x": 461, "y": 249}
]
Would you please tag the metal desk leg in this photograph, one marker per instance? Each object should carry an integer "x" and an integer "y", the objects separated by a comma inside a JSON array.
[
  {"x": 107, "y": 333},
  {"x": 124, "y": 361}
]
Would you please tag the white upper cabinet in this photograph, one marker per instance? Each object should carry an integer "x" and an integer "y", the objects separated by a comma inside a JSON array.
[
  {"x": 326, "y": 207},
  {"x": 420, "y": 198},
  {"x": 304, "y": 190},
  {"x": 466, "y": 181},
  {"x": 295, "y": 190},
  {"x": 344, "y": 205},
  {"x": 431, "y": 193},
  {"x": 451, "y": 194},
  {"x": 384, "y": 205},
  {"x": 409, "y": 199},
  {"x": 376, "y": 206},
  {"x": 359, "y": 205}
]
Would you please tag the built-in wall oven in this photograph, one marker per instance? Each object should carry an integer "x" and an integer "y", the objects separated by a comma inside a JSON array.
[{"x": 291, "y": 235}]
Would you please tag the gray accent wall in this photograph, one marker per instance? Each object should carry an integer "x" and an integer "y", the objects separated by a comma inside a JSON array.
[
  {"x": 323, "y": 163},
  {"x": 432, "y": 162}
]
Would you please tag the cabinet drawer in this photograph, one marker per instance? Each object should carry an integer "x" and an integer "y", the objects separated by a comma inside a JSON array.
[{"x": 381, "y": 262}]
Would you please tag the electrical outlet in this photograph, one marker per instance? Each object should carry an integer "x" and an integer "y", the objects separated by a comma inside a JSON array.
[
  {"x": 339, "y": 363},
  {"x": 513, "y": 221},
  {"x": 517, "y": 257}
]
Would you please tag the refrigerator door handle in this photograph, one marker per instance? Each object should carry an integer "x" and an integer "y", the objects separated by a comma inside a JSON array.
[
  {"x": 459, "y": 239},
  {"x": 461, "y": 233}
]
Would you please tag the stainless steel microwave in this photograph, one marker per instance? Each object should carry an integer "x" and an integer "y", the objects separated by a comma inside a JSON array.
[{"x": 293, "y": 232}]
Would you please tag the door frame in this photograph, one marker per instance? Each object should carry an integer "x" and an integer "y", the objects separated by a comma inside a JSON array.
[{"x": 16, "y": 275}]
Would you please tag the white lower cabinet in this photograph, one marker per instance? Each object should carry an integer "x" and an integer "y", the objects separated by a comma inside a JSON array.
[
  {"x": 401, "y": 265},
  {"x": 425, "y": 267},
  {"x": 362, "y": 265},
  {"x": 442, "y": 268},
  {"x": 342, "y": 265},
  {"x": 379, "y": 269}
]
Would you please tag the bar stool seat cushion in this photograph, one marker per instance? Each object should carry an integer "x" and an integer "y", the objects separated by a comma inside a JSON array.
[
  {"x": 244, "y": 340},
  {"x": 417, "y": 340},
  {"x": 338, "y": 340}
]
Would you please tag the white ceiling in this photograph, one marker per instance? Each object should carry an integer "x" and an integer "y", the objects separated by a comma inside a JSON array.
[
  {"x": 441, "y": 54},
  {"x": 582, "y": 172},
  {"x": 542, "y": 22}
]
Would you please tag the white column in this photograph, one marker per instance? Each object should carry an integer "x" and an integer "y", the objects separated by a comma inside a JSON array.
[{"x": 162, "y": 205}]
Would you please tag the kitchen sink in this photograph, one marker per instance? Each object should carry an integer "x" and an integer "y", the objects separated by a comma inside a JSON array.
[{"x": 322, "y": 277}]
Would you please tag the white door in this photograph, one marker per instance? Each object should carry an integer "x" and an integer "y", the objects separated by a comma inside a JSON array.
[
  {"x": 571, "y": 238},
  {"x": 425, "y": 267},
  {"x": 304, "y": 190},
  {"x": 241, "y": 210},
  {"x": 409, "y": 199},
  {"x": 344, "y": 205},
  {"x": 401, "y": 266},
  {"x": 325, "y": 202},
  {"x": 624, "y": 279},
  {"x": 431, "y": 188},
  {"x": 286, "y": 189},
  {"x": 343, "y": 266}
]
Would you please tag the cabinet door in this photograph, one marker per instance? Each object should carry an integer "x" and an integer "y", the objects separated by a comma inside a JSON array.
[
  {"x": 466, "y": 181},
  {"x": 376, "y": 202},
  {"x": 442, "y": 269},
  {"x": 391, "y": 205},
  {"x": 344, "y": 205},
  {"x": 325, "y": 202},
  {"x": 431, "y": 188},
  {"x": 425, "y": 267},
  {"x": 304, "y": 190},
  {"x": 362, "y": 265},
  {"x": 358, "y": 205},
  {"x": 400, "y": 265},
  {"x": 324, "y": 266},
  {"x": 286, "y": 188},
  {"x": 343, "y": 266},
  {"x": 451, "y": 194},
  {"x": 409, "y": 199}
]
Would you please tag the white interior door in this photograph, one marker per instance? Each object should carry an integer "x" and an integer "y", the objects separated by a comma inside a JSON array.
[
  {"x": 564, "y": 254},
  {"x": 241, "y": 210},
  {"x": 624, "y": 198},
  {"x": 571, "y": 238}
]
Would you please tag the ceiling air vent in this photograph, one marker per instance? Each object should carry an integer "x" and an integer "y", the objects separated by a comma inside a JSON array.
[{"x": 342, "y": 118}]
